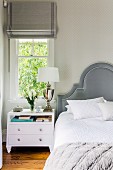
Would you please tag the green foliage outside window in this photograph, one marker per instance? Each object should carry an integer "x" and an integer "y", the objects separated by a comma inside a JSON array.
[
  {"x": 33, "y": 48},
  {"x": 28, "y": 67}
]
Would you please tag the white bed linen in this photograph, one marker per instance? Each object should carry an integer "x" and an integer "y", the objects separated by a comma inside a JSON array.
[{"x": 85, "y": 130}]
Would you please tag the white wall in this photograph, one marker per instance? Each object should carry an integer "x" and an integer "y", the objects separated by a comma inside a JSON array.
[
  {"x": 1, "y": 74},
  {"x": 85, "y": 36},
  {"x": 1, "y": 57}
]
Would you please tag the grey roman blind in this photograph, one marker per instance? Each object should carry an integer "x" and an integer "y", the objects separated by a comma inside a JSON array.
[{"x": 31, "y": 19}]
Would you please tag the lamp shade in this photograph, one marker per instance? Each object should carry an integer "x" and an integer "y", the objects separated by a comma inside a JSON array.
[{"x": 48, "y": 74}]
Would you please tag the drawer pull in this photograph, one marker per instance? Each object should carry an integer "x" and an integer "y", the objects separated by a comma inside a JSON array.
[
  {"x": 40, "y": 139},
  {"x": 18, "y": 139},
  {"x": 18, "y": 129},
  {"x": 40, "y": 130}
]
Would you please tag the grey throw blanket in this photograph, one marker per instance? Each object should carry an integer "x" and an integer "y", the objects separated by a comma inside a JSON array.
[{"x": 81, "y": 156}]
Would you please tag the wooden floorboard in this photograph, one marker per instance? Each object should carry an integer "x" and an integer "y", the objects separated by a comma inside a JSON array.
[{"x": 23, "y": 158}]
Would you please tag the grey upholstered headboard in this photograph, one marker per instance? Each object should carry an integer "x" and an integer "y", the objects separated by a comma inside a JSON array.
[{"x": 95, "y": 81}]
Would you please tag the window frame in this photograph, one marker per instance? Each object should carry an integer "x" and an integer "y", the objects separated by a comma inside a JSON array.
[{"x": 13, "y": 57}]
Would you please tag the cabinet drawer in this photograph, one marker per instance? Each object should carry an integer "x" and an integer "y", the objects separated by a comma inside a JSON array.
[
  {"x": 29, "y": 129},
  {"x": 30, "y": 140}
]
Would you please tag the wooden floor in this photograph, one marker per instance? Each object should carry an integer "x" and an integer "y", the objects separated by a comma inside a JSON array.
[{"x": 23, "y": 158}]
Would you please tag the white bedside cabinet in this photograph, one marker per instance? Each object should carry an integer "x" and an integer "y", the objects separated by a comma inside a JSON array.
[{"x": 36, "y": 133}]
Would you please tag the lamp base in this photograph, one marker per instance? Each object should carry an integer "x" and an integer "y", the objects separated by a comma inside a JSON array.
[
  {"x": 48, "y": 109},
  {"x": 48, "y": 95}
]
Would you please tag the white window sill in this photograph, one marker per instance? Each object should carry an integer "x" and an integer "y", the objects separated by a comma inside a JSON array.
[
  {"x": 23, "y": 100},
  {"x": 39, "y": 102}
]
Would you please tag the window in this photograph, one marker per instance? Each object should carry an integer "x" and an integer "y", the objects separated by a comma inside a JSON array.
[{"x": 30, "y": 55}]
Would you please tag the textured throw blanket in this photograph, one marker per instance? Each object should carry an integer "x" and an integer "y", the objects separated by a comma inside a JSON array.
[{"x": 81, "y": 156}]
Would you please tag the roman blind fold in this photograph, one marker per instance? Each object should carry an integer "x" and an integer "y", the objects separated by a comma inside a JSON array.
[{"x": 31, "y": 19}]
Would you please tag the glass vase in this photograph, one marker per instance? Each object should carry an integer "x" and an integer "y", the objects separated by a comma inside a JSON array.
[{"x": 32, "y": 108}]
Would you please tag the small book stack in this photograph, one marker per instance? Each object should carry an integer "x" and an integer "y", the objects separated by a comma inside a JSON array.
[
  {"x": 22, "y": 118},
  {"x": 43, "y": 119}
]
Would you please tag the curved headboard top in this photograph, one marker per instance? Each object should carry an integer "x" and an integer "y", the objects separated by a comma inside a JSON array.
[{"x": 95, "y": 81}]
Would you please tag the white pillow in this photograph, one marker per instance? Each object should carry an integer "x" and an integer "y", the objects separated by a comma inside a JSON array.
[
  {"x": 82, "y": 109},
  {"x": 107, "y": 110},
  {"x": 68, "y": 108}
]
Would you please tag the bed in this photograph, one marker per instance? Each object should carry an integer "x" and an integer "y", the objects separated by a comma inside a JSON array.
[{"x": 86, "y": 143}]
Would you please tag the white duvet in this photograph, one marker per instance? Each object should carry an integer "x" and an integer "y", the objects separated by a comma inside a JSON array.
[{"x": 68, "y": 130}]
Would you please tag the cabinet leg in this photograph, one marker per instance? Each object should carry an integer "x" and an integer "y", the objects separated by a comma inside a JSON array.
[{"x": 8, "y": 149}]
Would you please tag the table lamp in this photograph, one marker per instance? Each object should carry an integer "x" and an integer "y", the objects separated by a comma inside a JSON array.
[{"x": 48, "y": 74}]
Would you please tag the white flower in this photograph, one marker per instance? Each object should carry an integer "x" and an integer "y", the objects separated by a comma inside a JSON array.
[{"x": 32, "y": 93}]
